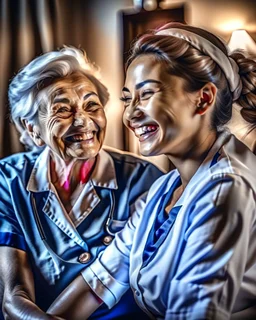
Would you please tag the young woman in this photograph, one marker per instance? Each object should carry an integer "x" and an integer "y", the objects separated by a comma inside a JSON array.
[{"x": 191, "y": 252}]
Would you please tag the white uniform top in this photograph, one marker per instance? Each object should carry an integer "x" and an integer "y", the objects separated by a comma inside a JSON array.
[{"x": 200, "y": 261}]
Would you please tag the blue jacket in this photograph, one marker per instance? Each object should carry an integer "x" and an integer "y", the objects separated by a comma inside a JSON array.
[{"x": 61, "y": 244}]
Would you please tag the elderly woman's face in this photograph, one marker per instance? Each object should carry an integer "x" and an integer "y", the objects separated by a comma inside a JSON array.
[
  {"x": 73, "y": 123},
  {"x": 157, "y": 108}
]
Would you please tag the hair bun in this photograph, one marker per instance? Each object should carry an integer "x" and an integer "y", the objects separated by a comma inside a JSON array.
[{"x": 247, "y": 71}]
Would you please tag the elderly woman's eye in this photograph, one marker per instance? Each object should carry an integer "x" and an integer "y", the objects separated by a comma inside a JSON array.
[
  {"x": 93, "y": 106},
  {"x": 63, "y": 109}
]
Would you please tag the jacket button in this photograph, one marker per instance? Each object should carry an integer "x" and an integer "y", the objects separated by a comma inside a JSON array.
[
  {"x": 137, "y": 293},
  {"x": 84, "y": 257},
  {"x": 107, "y": 240}
]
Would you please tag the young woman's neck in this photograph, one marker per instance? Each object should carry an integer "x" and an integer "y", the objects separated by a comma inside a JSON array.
[{"x": 188, "y": 164}]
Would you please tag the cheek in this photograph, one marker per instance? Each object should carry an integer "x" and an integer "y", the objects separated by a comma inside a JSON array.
[
  {"x": 100, "y": 120},
  {"x": 157, "y": 104},
  {"x": 168, "y": 110},
  {"x": 157, "y": 110},
  {"x": 58, "y": 127},
  {"x": 125, "y": 118}
]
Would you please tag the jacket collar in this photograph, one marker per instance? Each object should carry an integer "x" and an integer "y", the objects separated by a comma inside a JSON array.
[{"x": 103, "y": 175}]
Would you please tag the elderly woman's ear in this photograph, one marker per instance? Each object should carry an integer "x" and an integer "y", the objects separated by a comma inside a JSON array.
[{"x": 34, "y": 133}]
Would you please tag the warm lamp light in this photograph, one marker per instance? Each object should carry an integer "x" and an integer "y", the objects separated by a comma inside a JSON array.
[
  {"x": 231, "y": 25},
  {"x": 149, "y": 5},
  {"x": 240, "y": 39}
]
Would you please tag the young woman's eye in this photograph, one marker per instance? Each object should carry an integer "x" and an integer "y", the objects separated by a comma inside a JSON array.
[
  {"x": 146, "y": 94},
  {"x": 126, "y": 100}
]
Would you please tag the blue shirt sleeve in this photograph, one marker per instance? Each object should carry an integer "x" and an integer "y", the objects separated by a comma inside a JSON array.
[{"x": 11, "y": 234}]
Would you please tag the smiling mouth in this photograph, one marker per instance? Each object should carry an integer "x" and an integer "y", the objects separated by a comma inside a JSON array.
[
  {"x": 81, "y": 137},
  {"x": 145, "y": 132}
]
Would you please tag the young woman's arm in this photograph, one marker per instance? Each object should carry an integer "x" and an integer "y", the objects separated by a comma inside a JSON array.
[{"x": 76, "y": 302}]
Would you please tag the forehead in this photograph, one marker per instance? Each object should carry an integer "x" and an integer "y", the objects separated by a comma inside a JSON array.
[
  {"x": 143, "y": 68},
  {"x": 72, "y": 85}
]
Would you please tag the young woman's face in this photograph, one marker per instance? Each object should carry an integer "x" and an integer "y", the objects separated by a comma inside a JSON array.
[
  {"x": 73, "y": 123},
  {"x": 158, "y": 109}
]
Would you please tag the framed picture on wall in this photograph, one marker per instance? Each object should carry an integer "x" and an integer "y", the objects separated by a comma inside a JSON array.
[{"x": 135, "y": 24}]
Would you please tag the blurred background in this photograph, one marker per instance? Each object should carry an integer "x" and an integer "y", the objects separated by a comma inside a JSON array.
[{"x": 105, "y": 28}]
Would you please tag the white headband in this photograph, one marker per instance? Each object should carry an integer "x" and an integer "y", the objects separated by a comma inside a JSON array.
[{"x": 227, "y": 64}]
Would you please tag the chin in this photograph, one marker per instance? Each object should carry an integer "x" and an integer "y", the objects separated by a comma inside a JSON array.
[
  {"x": 150, "y": 152},
  {"x": 147, "y": 153},
  {"x": 83, "y": 154},
  {"x": 88, "y": 155}
]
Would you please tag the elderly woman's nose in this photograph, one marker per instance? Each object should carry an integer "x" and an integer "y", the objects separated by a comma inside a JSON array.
[{"x": 81, "y": 118}]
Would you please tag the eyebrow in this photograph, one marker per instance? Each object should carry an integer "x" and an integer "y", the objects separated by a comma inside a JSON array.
[
  {"x": 141, "y": 84},
  {"x": 66, "y": 100},
  {"x": 90, "y": 94}
]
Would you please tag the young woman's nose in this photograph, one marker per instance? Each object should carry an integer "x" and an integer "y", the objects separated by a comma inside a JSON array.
[{"x": 133, "y": 111}]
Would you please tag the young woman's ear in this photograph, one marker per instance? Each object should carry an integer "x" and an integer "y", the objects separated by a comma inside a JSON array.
[
  {"x": 34, "y": 132},
  {"x": 207, "y": 98}
]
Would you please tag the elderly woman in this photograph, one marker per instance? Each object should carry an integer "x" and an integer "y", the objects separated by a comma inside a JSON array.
[
  {"x": 62, "y": 203},
  {"x": 191, "y": 254}
]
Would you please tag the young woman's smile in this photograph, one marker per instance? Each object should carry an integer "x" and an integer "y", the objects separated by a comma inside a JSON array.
[{"x": 144, "y": 131}]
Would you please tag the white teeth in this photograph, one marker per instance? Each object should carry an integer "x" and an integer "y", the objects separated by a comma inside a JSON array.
[
  {"x": 141, "y": 130},
  {"x": 81, "y": 137},
  {"x": 77, "y": 137},
  {"x": 88, "y": 135}
]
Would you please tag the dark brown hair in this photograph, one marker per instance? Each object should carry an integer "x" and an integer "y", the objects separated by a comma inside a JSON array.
[{"x": 182, "y": 59}]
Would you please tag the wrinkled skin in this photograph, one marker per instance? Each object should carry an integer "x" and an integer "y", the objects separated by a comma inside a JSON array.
[{"x": 73, "y": 122}]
